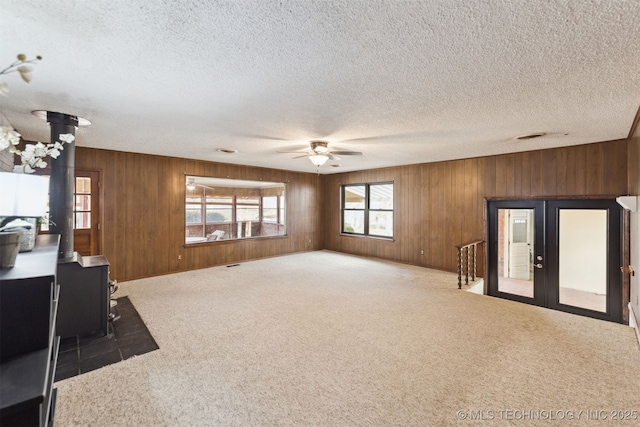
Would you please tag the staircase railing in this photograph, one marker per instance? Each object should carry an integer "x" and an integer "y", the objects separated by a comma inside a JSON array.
[{"x": 467, "y": 255}]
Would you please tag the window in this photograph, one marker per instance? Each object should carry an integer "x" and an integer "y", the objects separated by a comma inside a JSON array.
[
  {"x": 219, "y": 209},
  {"x": 248, "y": 208},
  {"x": 270, "y": 208},
  {"x": 81, "y": 206},
  {"x": 227, "y": 209},
  {"x": 367, "y": 209},
  {"x": 194, "y": 207}
]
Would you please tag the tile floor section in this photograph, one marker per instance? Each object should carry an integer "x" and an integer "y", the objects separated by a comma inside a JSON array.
[
  {"x": 573, "y": 297},
  {"x": 128, "y": 336}
]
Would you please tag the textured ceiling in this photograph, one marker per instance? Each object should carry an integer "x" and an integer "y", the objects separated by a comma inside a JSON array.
[{"x": 401, "y": 81}]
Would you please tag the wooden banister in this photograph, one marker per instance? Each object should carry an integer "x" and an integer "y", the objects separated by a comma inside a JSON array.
[{"x": 467, "y": 253}]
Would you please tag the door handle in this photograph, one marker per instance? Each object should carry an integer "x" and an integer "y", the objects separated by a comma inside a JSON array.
[{"x": 538, "y": 265}]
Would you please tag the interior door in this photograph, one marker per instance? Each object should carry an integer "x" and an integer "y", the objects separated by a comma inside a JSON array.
[
  {"x": 560, "y": 254},
  {"x": 519, "y": 243},
  {"x": 86, "y": 212}
]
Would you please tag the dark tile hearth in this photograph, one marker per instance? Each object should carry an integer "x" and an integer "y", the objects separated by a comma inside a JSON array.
[{"x": 128, "y": 336}]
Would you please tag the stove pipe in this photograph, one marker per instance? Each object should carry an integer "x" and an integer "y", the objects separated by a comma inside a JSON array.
[{"x": 62, "y": 182}]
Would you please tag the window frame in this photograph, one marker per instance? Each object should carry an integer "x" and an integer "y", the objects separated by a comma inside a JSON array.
[
  {"x": 367, "y": 210},
  {"x": 237, "y": 201},
  {"x": 231, "y": 206}
]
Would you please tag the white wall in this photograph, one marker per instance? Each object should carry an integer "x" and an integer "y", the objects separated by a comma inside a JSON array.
[
  {"x": 634, "y": 187},
  {"x": 583, "y": 250}
]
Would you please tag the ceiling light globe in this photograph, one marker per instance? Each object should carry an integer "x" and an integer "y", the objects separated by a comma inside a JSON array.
[{"x": 318, "y": 159}]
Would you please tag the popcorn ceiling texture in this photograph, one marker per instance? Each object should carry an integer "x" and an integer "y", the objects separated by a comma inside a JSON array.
[{"x": 402, "y": 81}]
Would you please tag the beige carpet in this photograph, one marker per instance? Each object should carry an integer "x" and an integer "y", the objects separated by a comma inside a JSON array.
[{"x": 326, "y": 339}]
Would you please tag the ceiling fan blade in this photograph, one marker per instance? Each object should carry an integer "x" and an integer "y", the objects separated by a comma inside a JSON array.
[
  {"x": 292, "y": 152},
  {"x": 298, "y": 157},
  {"x": 257, "y": 136},
  {"x": 332, "y": 157},
  {"x": 347, "y": 153}
]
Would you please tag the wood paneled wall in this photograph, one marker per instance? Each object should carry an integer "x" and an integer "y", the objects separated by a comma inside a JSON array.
[
  {"x": 440, "y": 205},
  {"x": 143, "y": 219},
  {"x": 437, "y": 205}
]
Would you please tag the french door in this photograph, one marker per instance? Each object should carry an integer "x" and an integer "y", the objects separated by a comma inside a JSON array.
[{"x": 560, "y": 254}]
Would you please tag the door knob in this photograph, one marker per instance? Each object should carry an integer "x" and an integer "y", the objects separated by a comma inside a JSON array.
[{"x": 538, "y": 265}]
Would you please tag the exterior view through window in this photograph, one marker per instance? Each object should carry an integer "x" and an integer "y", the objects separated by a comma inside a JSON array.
[
  {"x": 81, "y": 205},
  {"x": 367, "y": 209},
  {"x": 230, "y": 209}
]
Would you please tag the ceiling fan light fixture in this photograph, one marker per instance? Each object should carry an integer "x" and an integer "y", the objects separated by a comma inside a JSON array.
[
  {"x": 319, "y": 146},
  {"x": 319, "y": 159}
]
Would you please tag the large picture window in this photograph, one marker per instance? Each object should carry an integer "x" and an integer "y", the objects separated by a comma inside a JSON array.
[
  {"x": 229, "y": 209},
  {"x": 367, "y": 209}
]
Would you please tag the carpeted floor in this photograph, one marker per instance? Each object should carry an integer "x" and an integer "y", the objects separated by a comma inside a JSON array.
[{"x": 326, "y": 339}]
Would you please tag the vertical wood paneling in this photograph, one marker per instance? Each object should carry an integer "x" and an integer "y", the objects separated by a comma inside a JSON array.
[
  {"x": 490, "y": 171},
  {"x": 501, "y": 176},
  {"x": 614, "y": 167},
  {"x": 537, "y": 171},
  {"x": 594, "y": 169},
  {"x": 517, "y": 175},
  {"x": 549, "y": 163},
  {"x": 525, "y": 177},
  {"x": 509, "y": 175},
  {"x": 561, "y": 172},
  {"x": 451, "y": 196},
  {"x": 143, "y": 213},
  {"x": 581, "y": 170},
  {"x": 426, "y": 190},
  {"x": 438, "y": 205},
  {"x": 634, "y": 171}
]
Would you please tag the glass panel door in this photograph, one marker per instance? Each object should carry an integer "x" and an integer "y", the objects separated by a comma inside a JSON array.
[
  {"x": 561, "y": 254},
  {"x": 516, "y": 250},
  {"x": 585, "y": 254},
  {"x": 582, "y": 250}
]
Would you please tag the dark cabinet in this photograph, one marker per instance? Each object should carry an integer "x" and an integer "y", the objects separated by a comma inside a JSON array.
[
  {"x": 84, "y": 296},
  {"x": 28, "y": 342}
]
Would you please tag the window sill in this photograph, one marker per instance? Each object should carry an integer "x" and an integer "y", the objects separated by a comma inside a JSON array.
[
  {"x": 385, "y": 239},
  {"x": 210, "y": 242}
]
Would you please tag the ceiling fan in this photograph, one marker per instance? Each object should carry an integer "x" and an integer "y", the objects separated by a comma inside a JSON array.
[{"x": 320, "y": 153}]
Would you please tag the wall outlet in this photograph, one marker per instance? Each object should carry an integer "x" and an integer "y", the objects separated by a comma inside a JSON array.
[
  {"x": 421, "y": 252},
  {"x": 179, "y": 257}
]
